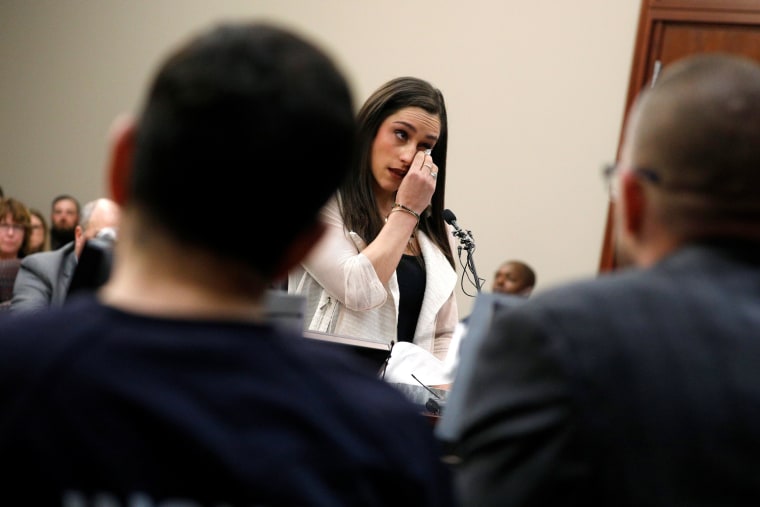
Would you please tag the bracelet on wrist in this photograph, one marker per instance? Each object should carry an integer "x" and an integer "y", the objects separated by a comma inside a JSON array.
[{"x": 405, "y": 209}]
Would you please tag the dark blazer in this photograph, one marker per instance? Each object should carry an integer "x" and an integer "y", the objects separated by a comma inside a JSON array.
[
  {"x": 43, "y": 279},
  {"x": 639, "y": 388}
]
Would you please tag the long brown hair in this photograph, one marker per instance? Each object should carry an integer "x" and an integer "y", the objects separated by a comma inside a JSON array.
[
  {"x": 358, "y": 204},
  {"x": 45, "y": 230},
  {"x": 20, "y": 214}
]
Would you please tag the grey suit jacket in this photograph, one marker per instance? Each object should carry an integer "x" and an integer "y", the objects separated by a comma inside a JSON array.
[
  {"x": 637, "y": 388},
  {"x": 43, "y": 279}
]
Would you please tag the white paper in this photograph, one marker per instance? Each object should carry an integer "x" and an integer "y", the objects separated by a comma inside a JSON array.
[{"x": 407, "y": 359}]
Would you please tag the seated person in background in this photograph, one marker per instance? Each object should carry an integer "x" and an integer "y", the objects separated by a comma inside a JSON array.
[
  {"x": 64, "y": 216},
  {"x": 14, "y": 228},
  {"x": 14, "y": 238},
  {"x": 642, "y": 386},
  {"x": 38, "y": 236},
  {"x": 514, "y": 277},
  {"x": 43, "y": 279},
  {"x": 168, "y": 385}
]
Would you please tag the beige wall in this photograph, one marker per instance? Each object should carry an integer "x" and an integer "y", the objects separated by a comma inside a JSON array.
[{"x": 535, "y": 93}]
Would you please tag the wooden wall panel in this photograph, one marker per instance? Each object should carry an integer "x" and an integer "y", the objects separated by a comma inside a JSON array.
[{"x": 671, "y": 29}]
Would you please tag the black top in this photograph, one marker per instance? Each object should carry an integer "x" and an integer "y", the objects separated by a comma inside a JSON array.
[{"x": 411, "y": 284}]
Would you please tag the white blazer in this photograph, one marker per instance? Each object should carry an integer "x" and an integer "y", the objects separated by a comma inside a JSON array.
[{"x": 345, "y": 297}]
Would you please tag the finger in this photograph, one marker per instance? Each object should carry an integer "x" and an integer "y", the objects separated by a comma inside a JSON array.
[{"x": 419, "y": 160}]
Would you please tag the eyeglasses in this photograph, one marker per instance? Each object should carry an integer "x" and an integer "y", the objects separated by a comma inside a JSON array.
[
  {"x": 609, "y": 171},
  {"x": 11, "y": 227}
]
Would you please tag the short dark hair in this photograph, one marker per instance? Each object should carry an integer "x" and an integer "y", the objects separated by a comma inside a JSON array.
[
  {"x": 66, "y": 197},
  {"x": 527, "y": 271},
  {"x": 246, "y": 131}
]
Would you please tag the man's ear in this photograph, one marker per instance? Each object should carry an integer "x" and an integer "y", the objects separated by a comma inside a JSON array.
[
  {"x": 299, "y": 249},
  {"x": 121, "y": 149},
  {"x": 79, "y": 240},
  {"x": 633, "y": 202}
]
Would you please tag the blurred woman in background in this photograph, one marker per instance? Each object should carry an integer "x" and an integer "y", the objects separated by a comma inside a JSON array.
[
  {"x": 38, "y": 236},
  {"x": 15, "y": 225}
]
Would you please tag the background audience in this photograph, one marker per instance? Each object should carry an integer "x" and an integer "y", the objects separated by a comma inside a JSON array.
[
  {"x": 641, "y": 387},
  {"x": 43, "y": 279},
  {"x": 168, "y": 386}
]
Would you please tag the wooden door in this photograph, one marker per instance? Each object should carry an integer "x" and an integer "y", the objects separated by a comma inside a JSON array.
[{"x": 671, "y": 29}]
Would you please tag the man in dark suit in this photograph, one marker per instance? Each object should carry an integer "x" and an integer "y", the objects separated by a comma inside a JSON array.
[
  {"x": 641, "y": 387},
  {"x": 43, "y": 279}
]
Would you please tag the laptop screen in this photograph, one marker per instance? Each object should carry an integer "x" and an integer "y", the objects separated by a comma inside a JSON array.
[
  {"x": 285, "y": 309},
  {"x": 478, "y": 323}
]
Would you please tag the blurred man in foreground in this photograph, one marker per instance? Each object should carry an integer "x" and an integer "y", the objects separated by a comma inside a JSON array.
[{"x": 169, "y": 387}]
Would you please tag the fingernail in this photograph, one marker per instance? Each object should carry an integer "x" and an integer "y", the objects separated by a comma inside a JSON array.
[{"x": 428, "y": 151}]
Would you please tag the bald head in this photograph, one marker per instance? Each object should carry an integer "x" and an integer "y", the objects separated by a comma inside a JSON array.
[
  {"x": 698, "y": 131},
  {"x": 96, "y": 215}
]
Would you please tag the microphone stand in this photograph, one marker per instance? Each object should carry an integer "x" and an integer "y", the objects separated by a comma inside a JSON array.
[{"x": 465, "y": 238}]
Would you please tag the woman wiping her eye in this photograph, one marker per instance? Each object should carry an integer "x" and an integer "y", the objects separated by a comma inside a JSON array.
[{"x": 386, "y": 267}]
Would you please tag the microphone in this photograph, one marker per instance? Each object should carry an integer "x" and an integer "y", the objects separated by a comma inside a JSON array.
[
  {"x": 464, "y": 236},
  {"x": 432, "y": 405},
  {"x": 451, "y": 219}
]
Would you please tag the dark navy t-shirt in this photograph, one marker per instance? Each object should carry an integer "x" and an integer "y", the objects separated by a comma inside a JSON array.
[{"x": 95, "y": 401}]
